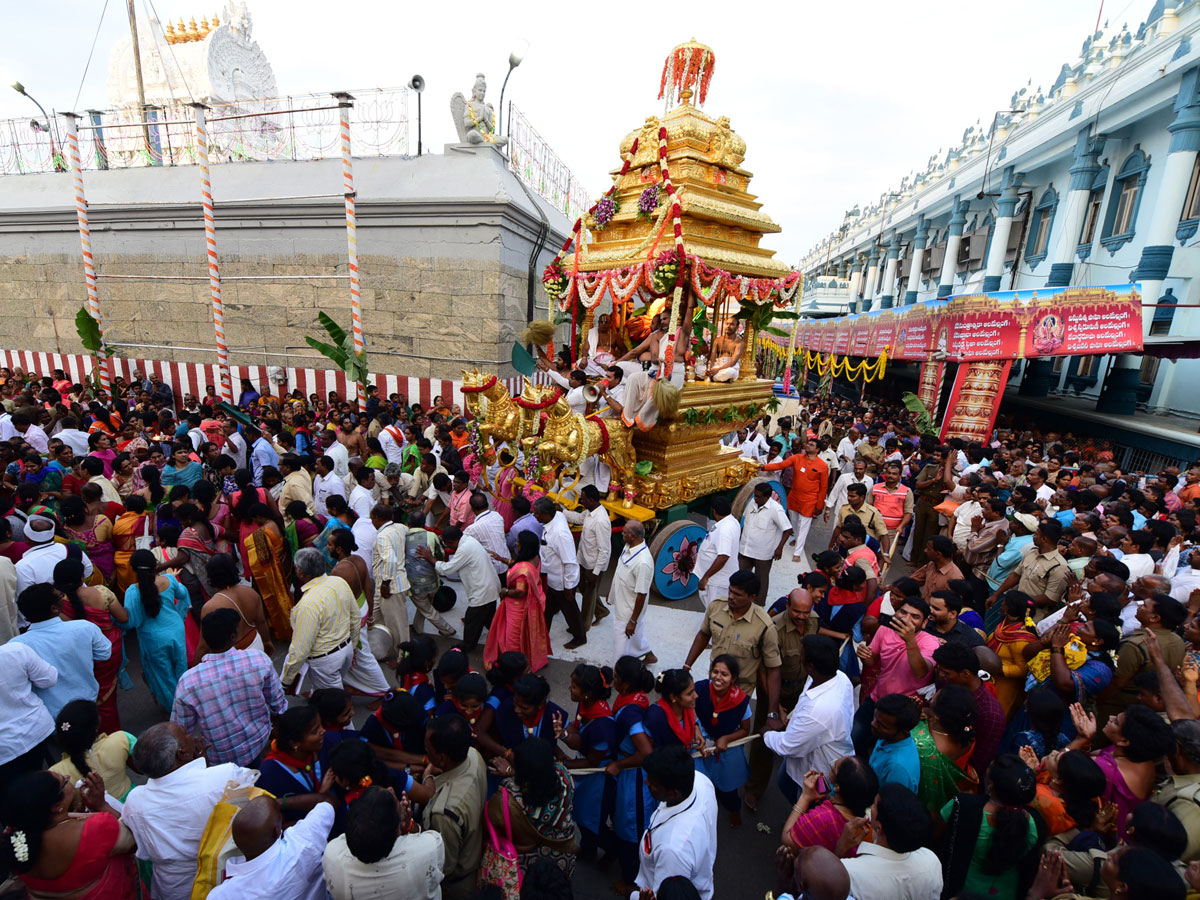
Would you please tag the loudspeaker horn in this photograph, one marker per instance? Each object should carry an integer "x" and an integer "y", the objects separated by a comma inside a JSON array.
[{"x": 417, "y": 83}]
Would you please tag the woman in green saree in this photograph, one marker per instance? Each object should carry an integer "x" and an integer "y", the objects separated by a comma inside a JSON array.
[{"x": 945, "y": 742}]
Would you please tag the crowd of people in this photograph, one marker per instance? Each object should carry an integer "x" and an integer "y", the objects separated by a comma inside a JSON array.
[{"x": 1016, "y": 717}]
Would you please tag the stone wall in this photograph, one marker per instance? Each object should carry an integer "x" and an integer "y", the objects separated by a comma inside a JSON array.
[{"x": 444, "y": 245}]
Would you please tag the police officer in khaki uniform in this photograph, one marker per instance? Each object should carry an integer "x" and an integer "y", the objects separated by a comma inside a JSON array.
[
  {"x": 930, "y": 485},
  {"x": 458, "y": 776},
  {"x": 791, "y": 625},
  {"x": 741, "y": 628}
]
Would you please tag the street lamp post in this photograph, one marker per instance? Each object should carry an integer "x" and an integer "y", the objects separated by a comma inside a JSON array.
[
  {"x": 59, "y": 163},
  {"x": 514, "y": 60}
]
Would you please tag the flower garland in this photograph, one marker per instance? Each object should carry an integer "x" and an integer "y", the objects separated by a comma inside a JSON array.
[
  {"x": 604, "y": 210},
  {"x": 555, "y": 280},
  {"x": 648, "y": 202},
  {"x": 673, "y": 330},
  {"x": 868, "y": 370},
  {"x": 686, "y": 65}
]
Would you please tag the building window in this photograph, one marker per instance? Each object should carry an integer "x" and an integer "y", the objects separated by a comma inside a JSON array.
[
  {"x": 1149, "y": 370},
  {"x": 1189, "y": 220},
  {"x": 1039, "y": 231},
  {"x": 1091, "y": 219},
  {"x": 1121, "y": 218}
]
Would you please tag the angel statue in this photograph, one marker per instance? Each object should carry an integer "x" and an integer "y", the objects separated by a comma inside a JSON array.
[{"x": 474, "y": 119}]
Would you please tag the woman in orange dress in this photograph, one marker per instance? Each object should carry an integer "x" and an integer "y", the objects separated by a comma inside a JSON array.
[
  {"x": 519, "y": 623},
  {"x": 1009, "y": 640},
  {"x": 131, "y": 525},
  {"x": 265, "y": 551}
]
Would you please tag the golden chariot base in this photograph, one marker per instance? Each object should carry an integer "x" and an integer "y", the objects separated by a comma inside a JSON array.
[{"x": 689, "y": 459}]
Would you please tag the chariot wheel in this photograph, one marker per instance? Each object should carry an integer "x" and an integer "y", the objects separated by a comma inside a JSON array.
[
  {"x": 743, "y": 497},
  {"x": 673, "y": 551}
]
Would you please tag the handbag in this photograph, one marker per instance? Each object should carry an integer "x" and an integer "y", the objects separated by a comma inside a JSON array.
[
  {"x": 499, "y": 865},
  {"x": 216, "y": 844}
]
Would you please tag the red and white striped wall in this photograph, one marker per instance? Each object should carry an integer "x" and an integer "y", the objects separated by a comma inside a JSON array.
[{"x": 192, "y": 378}]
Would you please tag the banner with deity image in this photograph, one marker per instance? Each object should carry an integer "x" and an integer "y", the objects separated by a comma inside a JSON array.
[{"x": 1068, "y": 321}]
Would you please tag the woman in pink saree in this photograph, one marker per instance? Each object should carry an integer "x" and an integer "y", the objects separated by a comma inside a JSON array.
[
  {"x": 519, "y": 623},
  {"x": 62, "y": 854},
  {"x": 505, "y": 489}
]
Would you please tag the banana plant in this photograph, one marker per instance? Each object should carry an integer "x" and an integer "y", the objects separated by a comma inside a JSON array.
[
  {"x": 922, "y": 418},
  {"x": 341, "y": 352},
  {"x": 92, "y": 340}
]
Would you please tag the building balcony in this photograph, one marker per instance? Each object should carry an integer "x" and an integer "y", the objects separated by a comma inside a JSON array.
[{"x": 825, "y": 295}]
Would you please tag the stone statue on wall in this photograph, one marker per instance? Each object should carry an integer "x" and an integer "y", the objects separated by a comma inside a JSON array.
[{"x": 475, "y": 119}]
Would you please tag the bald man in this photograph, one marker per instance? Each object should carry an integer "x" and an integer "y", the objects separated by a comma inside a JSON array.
[
  {"x": 275, "y": 865},
  {"x": 813, "y": 873}
]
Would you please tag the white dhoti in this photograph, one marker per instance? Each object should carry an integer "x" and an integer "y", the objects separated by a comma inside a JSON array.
[
  {"x": 716, "y": 590},
  {"x": 594, "y": 470},
  {"x": 329, "y": 671},
  {"x": 723, "y": 371},
  {"x": 393, "y": 611},
  {"x": 257, "y": 643},
  {"x": 638, "y": 645},
  {"x": 364, "y": 675}
]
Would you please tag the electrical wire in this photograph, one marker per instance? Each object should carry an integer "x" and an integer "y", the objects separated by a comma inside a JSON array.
[{"x": 88, "y": 64}]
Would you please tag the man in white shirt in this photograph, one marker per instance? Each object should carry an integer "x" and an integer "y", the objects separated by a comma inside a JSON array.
[
  {"x": 235, "y": 444},
  {"x": 70, "y": 435},
  {"x": 470, "y": 563},
  {"x": 681, "y": 837},
  {"x": 968, "y": 509},
  {"x": 337, "y": 452},
  {"x": 892, "y": 863},
  {"x": 326, "y": 484},
  {"x": 837, "y": 497},
  {"x": 560, "y": 566},
  {"x": 717, "y": 558},
  {"x": 1135, "y": 549},
  {"x": 37, "y": 564},
  {"x": 488, "y": 529},
  {"x": 847, "y": 450},
  {"x": 391, "y": 439},
  {"x": 575, "y": 399},
  {"x": 818, "y": 729},
  {"x": 1187, "y": 577},
  {"x": 751, "y": 445},
  {"x": 24, "y": 721},
  {"x": 33, "y": 434},
  {"x": 275, "y": 863},
  {"x": 168, "y": 814},
  {"x": 765, "y": 530},
  {"x": 361, "y": 500},
  {"x": 391, "y": 582},
  {"x": 595, "y": 551},
  {"x": 629, "y": 592},
  {"x": 378, "y": 857},
  {"x": 1036, "y": 479}
]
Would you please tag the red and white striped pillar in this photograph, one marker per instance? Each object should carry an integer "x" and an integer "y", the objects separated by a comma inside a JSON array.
[
  {"x": 214, "y": 267},
  {"x": 85, "y": 240},
  {"x": 345, "y": 102}
]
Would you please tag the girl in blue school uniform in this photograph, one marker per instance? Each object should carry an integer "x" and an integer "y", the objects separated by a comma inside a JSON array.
[
  {"x": 465, "y": 699},
  {"x": 396, "y": 732},
  {"x": 452, "y": 666},
  {"x": 672, "y": 720},
  {"x": 627, "y": 801},
  {"x": 528, "y": 713},
  {"x": 509, "y": 666},
  {"x": 414, "y": 668},
  {"x": 723, "y": 713},
  {"x": 292, "y": 768},
  {"x": 593, "y": 736},
  {"x": 337, "y": 718}
]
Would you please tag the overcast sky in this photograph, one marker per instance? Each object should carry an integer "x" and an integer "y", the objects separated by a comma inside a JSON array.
[{"x": 836, "y": 101}]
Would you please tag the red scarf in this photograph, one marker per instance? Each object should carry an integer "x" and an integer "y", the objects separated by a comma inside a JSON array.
[
  {"x": 732, "y": 698},
  {"x": 686, "y": 732},
  {"x": 637, "y": 698},
  {"x": 300, "y": 767},
  {"x": 358, "y": 790},
  {"x": 413, "y": 679},
  {"x": 393, "y": 733},
  {"x": 597, "y": 709},
  {"x": 531, "y": 728},
  {"x": 470, "y": 719}
]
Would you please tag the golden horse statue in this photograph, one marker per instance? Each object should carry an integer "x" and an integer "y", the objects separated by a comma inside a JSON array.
[
  {"x": 570, "y": 438},
  {"x": 490, "y": 404}
]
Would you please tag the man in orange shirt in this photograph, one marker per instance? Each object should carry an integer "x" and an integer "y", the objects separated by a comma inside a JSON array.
[
  {"x": 1191, "y": 490},
  {"x": 810, "y": 480}
]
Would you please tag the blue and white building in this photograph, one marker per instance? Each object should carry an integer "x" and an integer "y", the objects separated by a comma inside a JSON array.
[{"x": 1093, "y": 181}]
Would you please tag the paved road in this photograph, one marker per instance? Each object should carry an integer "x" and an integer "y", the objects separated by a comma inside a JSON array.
[{"x": 744, "y": 860}]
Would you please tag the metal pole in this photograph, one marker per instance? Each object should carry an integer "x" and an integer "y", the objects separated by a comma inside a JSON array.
[
  {"x": 418, "y": 123},
  {"x": 137, "y": 69},
  {"x": 214, "y": 268},
  {"x": 787, "y": 372},
  {"x": 500, "y": 108},
  {"x": 85, "y": 241},
  {"x": 345, "y": 102}
]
